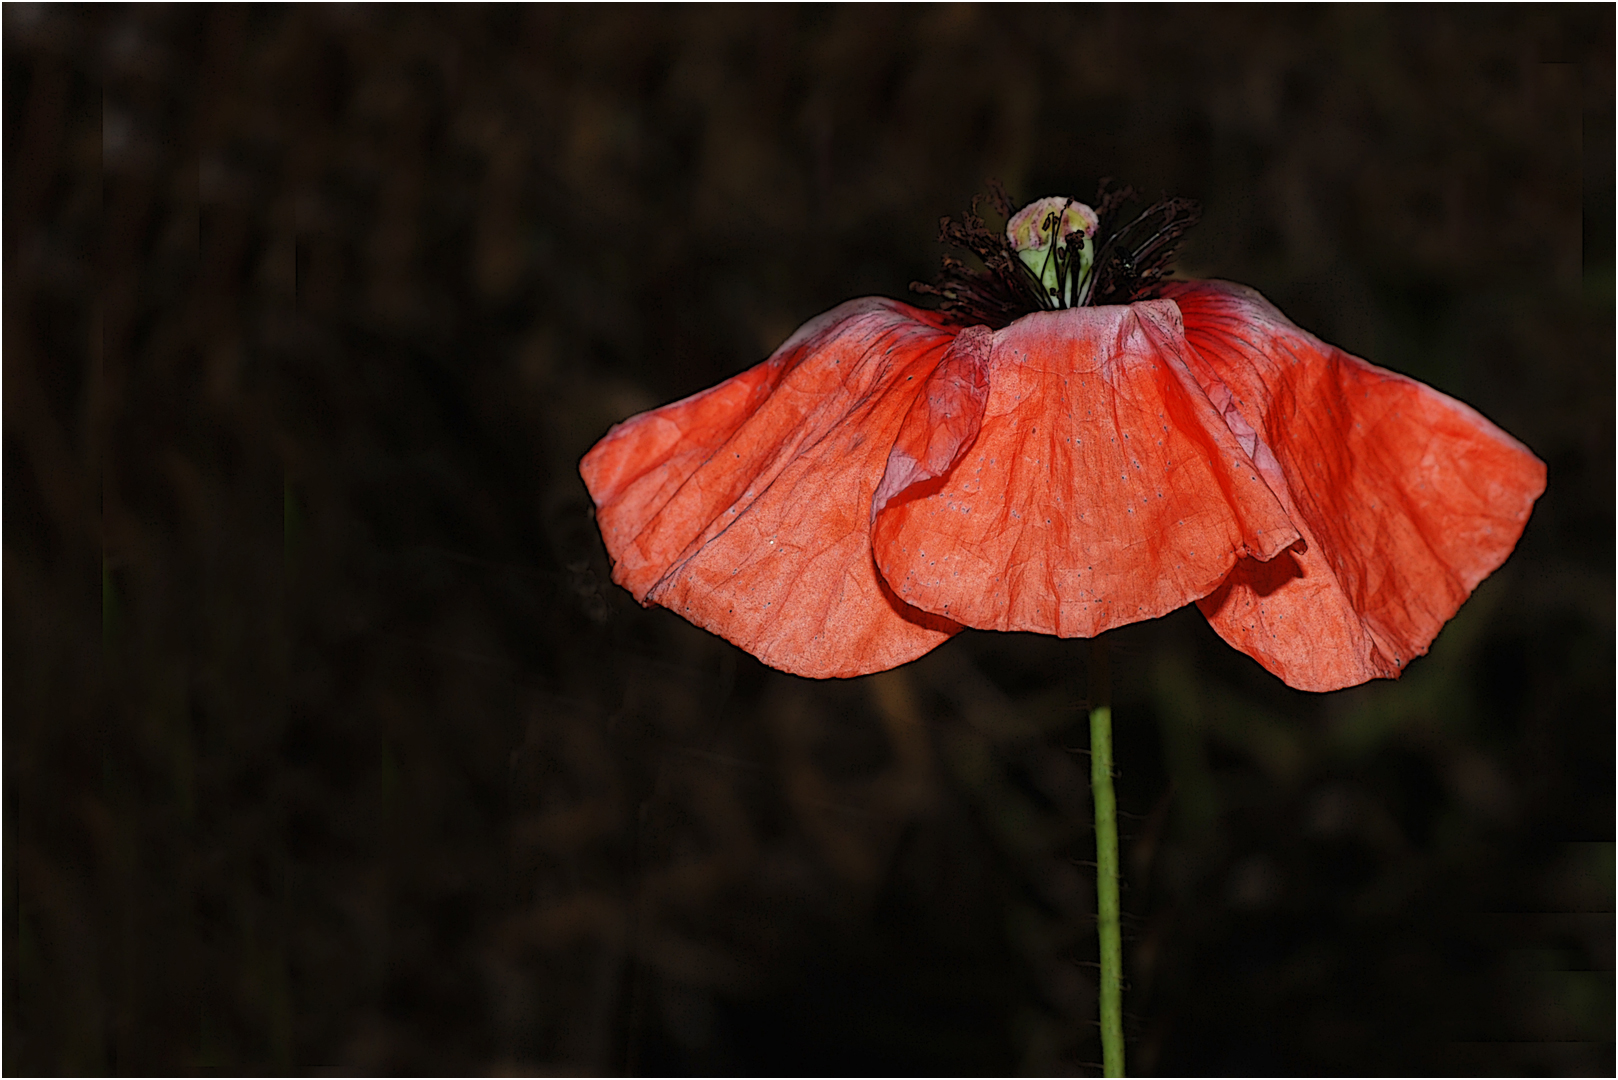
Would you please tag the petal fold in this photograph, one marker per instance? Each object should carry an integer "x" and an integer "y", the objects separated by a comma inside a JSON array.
[
  {"x": 1102, "y": 488},
  {"x": 1405, "y": 497},
  {"x": 942, "y": 424},
  {"x": 746, "y": 508}
]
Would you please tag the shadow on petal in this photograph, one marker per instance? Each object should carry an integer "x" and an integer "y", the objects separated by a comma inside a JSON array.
[
  {"x": 914, "y": 615},
  {"x": 1265, "y": 578}
]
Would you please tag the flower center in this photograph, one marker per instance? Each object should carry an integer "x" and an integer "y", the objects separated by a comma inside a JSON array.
[{"x": 1052, "y": 238}]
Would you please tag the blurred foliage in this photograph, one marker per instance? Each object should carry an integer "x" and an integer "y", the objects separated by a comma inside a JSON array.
[{"x": 358, "y": 760}]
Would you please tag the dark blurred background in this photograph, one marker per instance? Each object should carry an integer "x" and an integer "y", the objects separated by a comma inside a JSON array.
[{"x": 329, "y": 743}]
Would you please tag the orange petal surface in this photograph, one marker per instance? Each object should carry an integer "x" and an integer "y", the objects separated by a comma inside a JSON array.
[
  {"x": 746, "y": 508},
  {"x": 1102, "y": 486},
  {"x": 1405, "y": 498}
]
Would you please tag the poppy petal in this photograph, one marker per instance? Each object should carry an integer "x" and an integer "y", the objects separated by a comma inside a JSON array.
[
  {"x": 1103, "y": 487},
  {"x": 1406, "y": 498},
  {"x": 746, "y": 508},
  {"x": 942, "y": 424}
]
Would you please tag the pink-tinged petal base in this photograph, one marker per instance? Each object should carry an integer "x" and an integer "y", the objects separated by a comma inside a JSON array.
[
  {"x": 1102, "y": 487},
  {"x": 746, "y": 508},
  {"x": 1406, "y": 498}
]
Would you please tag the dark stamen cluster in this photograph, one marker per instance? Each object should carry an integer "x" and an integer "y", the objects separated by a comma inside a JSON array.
[{"x": 1132, "y": 258}]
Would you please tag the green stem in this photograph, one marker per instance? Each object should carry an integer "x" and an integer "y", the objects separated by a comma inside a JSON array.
[{"x": 1107, "y": 910}]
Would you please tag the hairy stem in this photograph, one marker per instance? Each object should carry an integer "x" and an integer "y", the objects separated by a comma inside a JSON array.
[{"x": 1107, "y": 910}]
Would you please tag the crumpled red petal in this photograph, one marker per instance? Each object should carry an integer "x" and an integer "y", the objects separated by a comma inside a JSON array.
[
  {"x": 746, "y": 508},
  {"x": 1102, "y": 487},
  {"x": 1406, "y": 498}
]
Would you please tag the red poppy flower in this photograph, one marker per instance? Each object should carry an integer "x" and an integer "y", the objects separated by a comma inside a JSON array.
[{"x": 890, "y": 475}]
